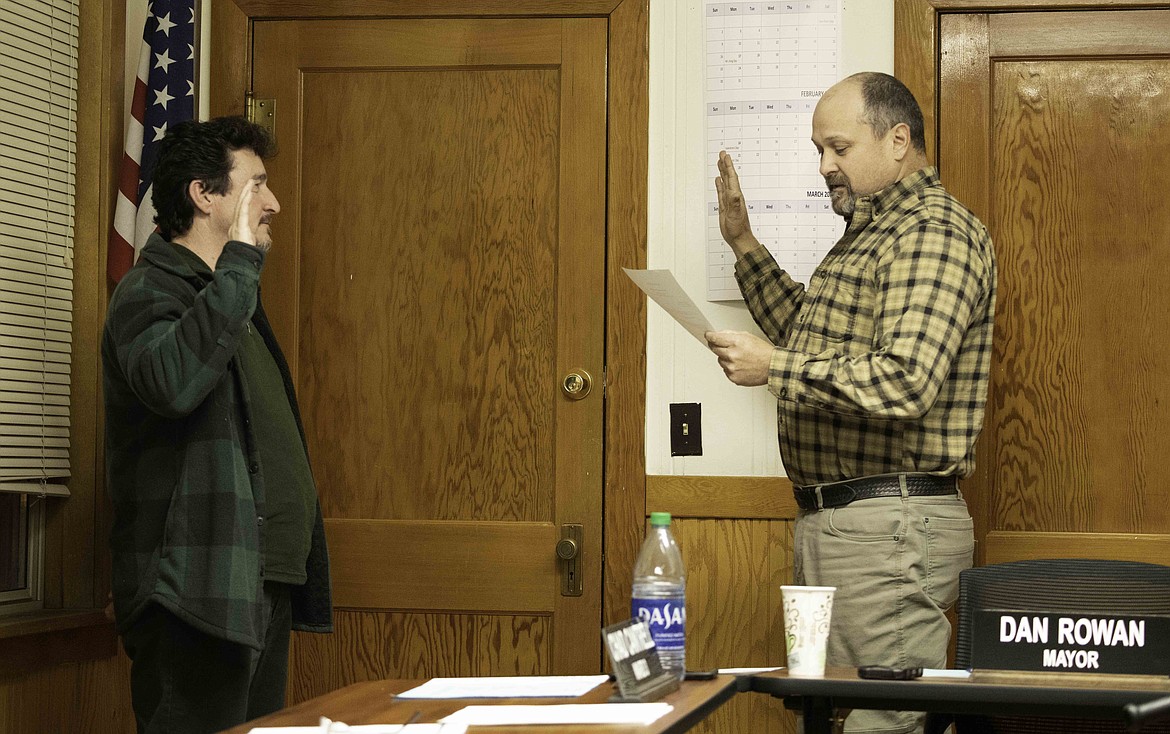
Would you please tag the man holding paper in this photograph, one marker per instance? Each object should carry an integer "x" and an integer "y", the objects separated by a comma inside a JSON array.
[{"x": 880, "y": 368}]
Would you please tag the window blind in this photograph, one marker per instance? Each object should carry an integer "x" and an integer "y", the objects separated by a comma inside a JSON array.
[{"x": 38, "y": 115}]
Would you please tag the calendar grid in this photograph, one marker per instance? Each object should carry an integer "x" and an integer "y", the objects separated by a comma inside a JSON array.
[{"x": 767, "y": 65}]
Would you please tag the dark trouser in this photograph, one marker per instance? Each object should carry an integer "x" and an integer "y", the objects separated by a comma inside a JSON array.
[{"x": 183, "y": 681}]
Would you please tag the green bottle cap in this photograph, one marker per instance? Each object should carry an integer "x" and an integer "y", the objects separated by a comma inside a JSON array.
[{"x": 659, "y": 518}]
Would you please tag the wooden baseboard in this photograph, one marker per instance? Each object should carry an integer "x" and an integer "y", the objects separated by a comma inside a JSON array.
[{"x": 755, "y": 498}]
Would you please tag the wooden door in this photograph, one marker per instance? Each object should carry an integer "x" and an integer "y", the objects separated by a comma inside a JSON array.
[
  {"x": 439, "y": 268},
  {"x": 1052, "y": 126}
]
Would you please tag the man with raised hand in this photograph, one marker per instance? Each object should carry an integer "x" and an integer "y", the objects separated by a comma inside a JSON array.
[
  {"x": 880, "y": 369},
  {"x": 218, "y": 544}
]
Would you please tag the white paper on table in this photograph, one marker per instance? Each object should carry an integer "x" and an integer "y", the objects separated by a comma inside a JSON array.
[
  {"x": 337, "y": 727},
  {"x": 944, "y": 673},
  {"x": 519, "y": 686},
  {"x": 747, "y": 671},
  {"x": 661, "y": 286},
  {"x": 640, "y": 714}
]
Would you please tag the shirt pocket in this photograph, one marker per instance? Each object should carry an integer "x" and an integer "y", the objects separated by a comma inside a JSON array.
[{"x": 841, "y": 310}]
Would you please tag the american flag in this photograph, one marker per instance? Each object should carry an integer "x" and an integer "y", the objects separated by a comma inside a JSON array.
[{"x": 164, "y": 94}]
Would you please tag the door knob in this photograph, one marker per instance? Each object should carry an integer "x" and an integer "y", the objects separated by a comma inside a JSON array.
[
  {"x": 566, "y": 549},
  {"x": 577, "y": 384}
]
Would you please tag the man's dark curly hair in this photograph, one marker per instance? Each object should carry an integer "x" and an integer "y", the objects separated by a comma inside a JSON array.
[
  {"x": 199, "y": 151},
  {"x": 888, "y": 103}
]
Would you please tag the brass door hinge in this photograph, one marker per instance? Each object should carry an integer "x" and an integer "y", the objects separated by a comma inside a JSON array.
[{"x": 261, "y": 111}]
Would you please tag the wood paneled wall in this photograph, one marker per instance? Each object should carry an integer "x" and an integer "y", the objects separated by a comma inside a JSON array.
[
  {"x": 372, "y": 645},
  {"x": 91, "y": 697},
  {"x": 735, "y": 534},
  {"x": 734, "y": 572}
]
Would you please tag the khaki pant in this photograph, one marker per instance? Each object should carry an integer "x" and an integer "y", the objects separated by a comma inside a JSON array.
[{"x": 895, "y": 562}]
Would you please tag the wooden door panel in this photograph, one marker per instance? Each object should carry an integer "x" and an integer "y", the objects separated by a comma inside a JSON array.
[
  {"x": 423, "y": 42},
  {"x": 441, "y": 296},
  {"x": 285, "y": 52},
  {"x": 1084, "y": 389},
  {"x": 1051, "y": 129},
  {"x": 441, "y": 265},
  {"x": 459, "y": 566},
  {"x": 373, "y": 646},
  {"x": 1087, "y": 33}
]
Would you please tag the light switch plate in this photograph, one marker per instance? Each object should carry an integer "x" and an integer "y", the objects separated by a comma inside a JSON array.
[{"x": 686, "y": 429}]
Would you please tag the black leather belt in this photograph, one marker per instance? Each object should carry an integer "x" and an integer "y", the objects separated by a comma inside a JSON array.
[{"x": 839, "y": 494}]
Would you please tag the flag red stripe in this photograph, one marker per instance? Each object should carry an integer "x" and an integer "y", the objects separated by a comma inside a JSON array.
[
  {"x": 119, "y": 258},
  {"x": 138, "y": 106},
  {"x": 128, "y": 179}
]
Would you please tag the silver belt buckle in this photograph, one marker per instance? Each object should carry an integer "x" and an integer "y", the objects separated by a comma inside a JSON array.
[{"x": 820, "y": 498}]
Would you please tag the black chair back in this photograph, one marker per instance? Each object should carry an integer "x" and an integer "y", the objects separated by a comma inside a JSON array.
[{"x": 1085, "y": 587}]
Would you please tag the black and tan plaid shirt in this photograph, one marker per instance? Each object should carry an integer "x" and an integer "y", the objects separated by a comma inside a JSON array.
[{"x": 882, "y": 362}]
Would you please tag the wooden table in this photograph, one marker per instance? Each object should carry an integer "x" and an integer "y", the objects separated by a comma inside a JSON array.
[
  {"x": 1010, "y": 693},
  {"x": 373, "y": 702}
]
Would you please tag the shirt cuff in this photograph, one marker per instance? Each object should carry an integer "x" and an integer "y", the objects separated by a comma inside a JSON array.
[
  {"x": 754, "y": 263},
  {"x": 784, "y": 373},
  {"x": 242, "y": 257}
]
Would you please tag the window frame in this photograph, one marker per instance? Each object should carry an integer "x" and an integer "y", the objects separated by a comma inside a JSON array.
[{"x": 30, "y": 597}]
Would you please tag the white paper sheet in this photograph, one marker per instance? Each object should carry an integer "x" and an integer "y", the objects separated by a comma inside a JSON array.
[
  {"x": 661, "y": 286},
  {"x": 522, "y": 686},
  {"x": 640, "y": 714},
  {"x": 746, "y": 671},
  {"x": 943, "y": 673},
  {"x": 338, "y": 727}
]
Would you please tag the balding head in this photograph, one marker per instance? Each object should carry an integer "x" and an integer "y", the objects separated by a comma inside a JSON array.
[
  {"x": 887, "y": 102},
  {"x": 864, "y": 143}
]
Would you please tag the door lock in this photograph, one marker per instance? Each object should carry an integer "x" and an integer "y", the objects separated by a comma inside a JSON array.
[
  {"x": 577, "y": 384},
  {"x": 568, "y": 551}
]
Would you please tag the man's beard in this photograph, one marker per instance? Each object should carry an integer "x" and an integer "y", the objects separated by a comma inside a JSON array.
[
  {"x": 264, "y": 241},
  {"x": 843, "y": 202}
]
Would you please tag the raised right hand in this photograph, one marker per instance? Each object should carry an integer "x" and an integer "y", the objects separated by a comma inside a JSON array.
[
  {"x": 733, "y": 212},
  {"x": 242, "y": 229}
]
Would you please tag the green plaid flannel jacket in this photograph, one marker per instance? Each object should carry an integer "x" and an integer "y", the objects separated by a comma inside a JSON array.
[
  {"x": 882, "y": 363},
  {"x": 182, "y": 468}
]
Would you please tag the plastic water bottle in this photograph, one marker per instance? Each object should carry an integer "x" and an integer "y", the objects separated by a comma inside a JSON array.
[{"x": 660, "y": 590}]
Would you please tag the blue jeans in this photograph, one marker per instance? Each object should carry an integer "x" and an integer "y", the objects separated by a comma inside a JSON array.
[
  {"x": 183, "y": 681},
  {"x": 895, "y": 562}
]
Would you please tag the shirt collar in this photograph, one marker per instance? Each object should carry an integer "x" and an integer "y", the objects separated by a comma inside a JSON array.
[
  {"x": 192, "y": 260},
  {"x": 873, "y": 206},
  {"x": 176, "y": 259}
]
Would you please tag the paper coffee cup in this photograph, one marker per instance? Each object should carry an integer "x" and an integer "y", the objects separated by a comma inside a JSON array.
[{"x": 807, "y": 613}]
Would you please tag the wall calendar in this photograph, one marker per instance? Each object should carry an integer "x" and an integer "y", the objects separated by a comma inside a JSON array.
[{"x": 767, "y": 65}]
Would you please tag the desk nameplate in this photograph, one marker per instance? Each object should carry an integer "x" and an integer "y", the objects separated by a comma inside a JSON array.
[
  {"x": 635, "y": 662},
  {"x": 1063, "y": 641}
]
